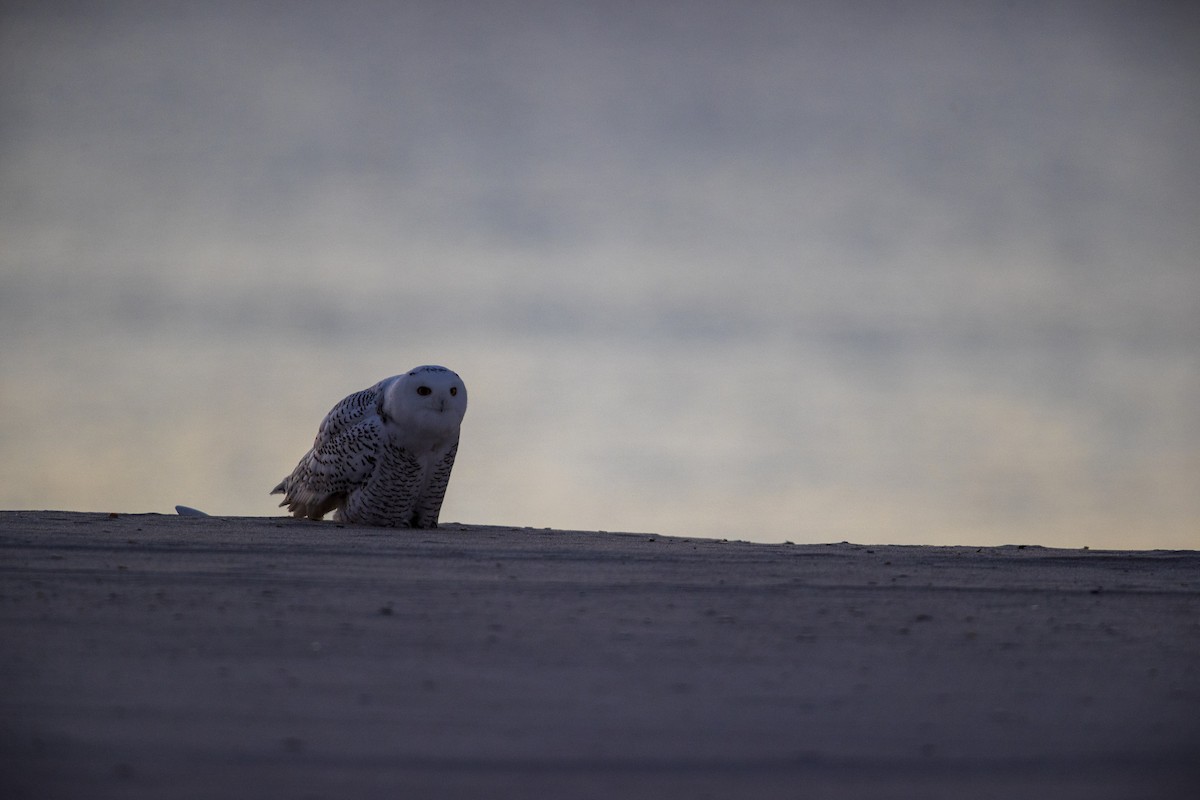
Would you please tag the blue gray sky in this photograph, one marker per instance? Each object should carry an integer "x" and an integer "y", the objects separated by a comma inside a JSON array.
[{"x": 889, "y": 272}]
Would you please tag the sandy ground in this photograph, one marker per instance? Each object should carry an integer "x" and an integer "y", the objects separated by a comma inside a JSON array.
[{"x": 150, "y": 656}]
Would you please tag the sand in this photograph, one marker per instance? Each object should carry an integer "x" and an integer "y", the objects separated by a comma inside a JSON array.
[{"x": 150, "y": 656}]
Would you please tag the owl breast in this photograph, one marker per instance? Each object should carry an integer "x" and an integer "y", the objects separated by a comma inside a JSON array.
[{"x": 404, "y": 490}]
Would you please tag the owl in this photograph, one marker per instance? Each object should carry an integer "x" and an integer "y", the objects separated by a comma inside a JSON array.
[{"x": 383, "y": 456}]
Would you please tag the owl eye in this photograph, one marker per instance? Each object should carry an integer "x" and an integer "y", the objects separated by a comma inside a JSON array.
[
  {"x": 453, "y": 391},
  {"x": 424, "y": 390}
]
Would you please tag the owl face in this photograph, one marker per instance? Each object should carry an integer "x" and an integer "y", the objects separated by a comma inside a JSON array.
[{"x": 428, "y": 395}]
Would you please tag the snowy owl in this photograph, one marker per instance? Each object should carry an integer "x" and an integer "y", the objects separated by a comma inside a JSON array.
[{"x": 383, "y": 456}]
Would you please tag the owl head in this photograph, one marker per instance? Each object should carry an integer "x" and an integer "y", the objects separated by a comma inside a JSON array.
[{"x": 428, "y": 397}]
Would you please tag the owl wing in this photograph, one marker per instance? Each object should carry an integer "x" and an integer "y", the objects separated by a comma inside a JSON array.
[
  {"x": 353, "y": 409},
  {"x": 342, "y": 457},
  {"x": 429, "y": 505}
]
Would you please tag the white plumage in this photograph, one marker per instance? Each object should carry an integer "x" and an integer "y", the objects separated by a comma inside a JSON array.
[{"x": 383, "y": 456}]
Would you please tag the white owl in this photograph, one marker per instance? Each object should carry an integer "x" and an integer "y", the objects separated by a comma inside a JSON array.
[{"x": 383, "y": 456}]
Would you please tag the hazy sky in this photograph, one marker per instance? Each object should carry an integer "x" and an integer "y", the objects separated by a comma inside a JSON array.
[{"x": 923, "y": 272}]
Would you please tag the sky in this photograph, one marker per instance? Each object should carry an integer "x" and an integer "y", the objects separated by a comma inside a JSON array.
[{"x": 921, "y": 273}]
